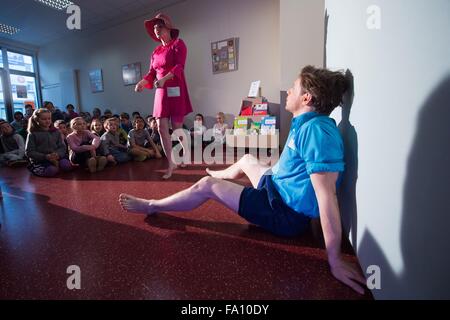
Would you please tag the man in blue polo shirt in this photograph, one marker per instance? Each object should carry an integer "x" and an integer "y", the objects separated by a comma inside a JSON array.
[{"x": 301, "y": 186}]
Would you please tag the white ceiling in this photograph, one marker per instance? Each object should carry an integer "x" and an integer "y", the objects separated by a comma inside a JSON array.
[{"x": 40, "y": 24}]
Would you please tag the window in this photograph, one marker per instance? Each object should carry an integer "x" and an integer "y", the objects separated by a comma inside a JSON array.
[
  {"x": 2, "y": 102},
  {"x": 20, "y": 62},
  {"x": 19, "y": 82},
  {"x": 23, "y": 90}
]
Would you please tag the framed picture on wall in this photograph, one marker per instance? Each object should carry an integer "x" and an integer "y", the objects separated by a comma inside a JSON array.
[
  {"x": 96, "y": 80},
  {"x": 224, "y": 55},
  {"x": 131, "y": 73}
]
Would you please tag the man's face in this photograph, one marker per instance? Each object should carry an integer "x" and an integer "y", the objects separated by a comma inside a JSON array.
[{"x": 293, "y": 102}]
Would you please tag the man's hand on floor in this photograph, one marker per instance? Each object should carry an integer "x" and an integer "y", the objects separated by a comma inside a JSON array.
[{"x": 349, "y": 274}]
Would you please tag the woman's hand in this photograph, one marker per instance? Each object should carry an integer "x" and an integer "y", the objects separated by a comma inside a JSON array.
[
  {"x": 159, "y": 83},
  {"x": 141, "y": 85}
]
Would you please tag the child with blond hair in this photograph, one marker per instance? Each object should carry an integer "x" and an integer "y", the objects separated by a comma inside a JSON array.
[
  {"x": 83, "y": 145},
  {"x": 112, "y": 148},
  {"x": 44, "y": 146},
  {"x": 220, "y": 128}
]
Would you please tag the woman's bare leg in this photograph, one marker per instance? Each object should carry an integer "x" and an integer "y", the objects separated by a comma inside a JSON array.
[
  {"x": 166, "y": 141},
  {"x": 225, "y": 192},
  {"x": 248, "y": 165},
  {"x": 184, "y": 144}
]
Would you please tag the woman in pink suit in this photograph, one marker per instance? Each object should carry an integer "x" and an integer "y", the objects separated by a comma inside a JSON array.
[{"x": 166, "y": 75}]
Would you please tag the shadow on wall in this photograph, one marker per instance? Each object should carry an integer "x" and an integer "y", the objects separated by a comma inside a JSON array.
[
  {"x": 327, "y": 18},
  {"x": 425, "y": 240},
  {"x": 347, "y": 190}
]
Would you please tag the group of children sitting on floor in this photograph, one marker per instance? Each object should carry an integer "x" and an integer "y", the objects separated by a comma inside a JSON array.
[{"x": 50, "y": 141}]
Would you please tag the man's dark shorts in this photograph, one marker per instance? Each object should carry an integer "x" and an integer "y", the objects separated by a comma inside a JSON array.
[{"x": 264, "y": 207}]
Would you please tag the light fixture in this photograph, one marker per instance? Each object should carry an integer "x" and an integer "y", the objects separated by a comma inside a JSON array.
[
  {"x": 56, "y": 4},
  {"x": 4, "y": 28}
]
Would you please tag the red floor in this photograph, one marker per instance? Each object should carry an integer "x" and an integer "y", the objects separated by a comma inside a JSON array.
[{"x": 210, "y": 253}]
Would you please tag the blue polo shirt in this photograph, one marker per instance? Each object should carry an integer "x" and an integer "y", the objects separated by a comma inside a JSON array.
[{"x": 314, "y": 145}]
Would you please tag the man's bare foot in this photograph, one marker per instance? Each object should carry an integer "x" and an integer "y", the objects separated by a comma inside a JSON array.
[
  {"x": 216, "y": 174},
  {"x": 135, "y": 205}
]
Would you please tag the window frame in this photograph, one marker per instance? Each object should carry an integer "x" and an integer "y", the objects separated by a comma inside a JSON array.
[{"x": 9, "y": 103}]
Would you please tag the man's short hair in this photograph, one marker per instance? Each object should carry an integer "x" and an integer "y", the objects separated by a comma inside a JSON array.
[{"x": 326, "y": 87}]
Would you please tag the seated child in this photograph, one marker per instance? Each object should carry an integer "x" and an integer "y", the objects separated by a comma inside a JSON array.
[
  {"x": 62, "y": 128},
  {"x": 154, "y": 132},
  {"x": 97, "y": 127},
  {"x": 96, "y": 113},
  {"x": 83, "y": 146},
  {"x": 198, "y": 130},
  {"x": 123, "y": 135},
  {"x": 28, "y": 111},
  {"x": 44, "y": 147},
  {"x": 108, "y": 113},
  {"x": 71, "y": 114},
  {"x": 140, "y": 144},
  {"x": 13, "y": 146},
  {"x": 220, "y": 128},
  {"x": 17, "y": 124},
  {"x": 125, "y": 122},
  {"x": 111, "y": 146},
  {"x": 135, "y": 114}
]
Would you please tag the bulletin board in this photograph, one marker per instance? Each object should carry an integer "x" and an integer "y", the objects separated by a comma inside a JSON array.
[{"x": 224, "y": 55}]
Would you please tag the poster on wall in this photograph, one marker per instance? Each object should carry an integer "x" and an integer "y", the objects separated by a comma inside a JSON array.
[
  {"x": 96, "y": 80},
  {"x": 21, "y": 92},
  {"x": 131, "y": 73},
  {"x": 224, "y": 55}
]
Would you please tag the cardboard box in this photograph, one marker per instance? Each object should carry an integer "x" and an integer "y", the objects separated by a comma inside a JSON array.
[
  {"x": 261, "y": 109},
  {"x": 248, "y": 105},
  {"x": 268, "y": 125}
]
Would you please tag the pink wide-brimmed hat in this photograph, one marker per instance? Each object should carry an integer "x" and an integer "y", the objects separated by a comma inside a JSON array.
[{"x": 150, "y": 24}]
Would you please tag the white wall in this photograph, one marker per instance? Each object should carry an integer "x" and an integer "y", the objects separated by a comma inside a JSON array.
[
  {"x": 301, "y": 44},
  {"x": 398, "y": 134},
  {"x": 255, "y": 22},
  {"x": 301, "y": 37}
]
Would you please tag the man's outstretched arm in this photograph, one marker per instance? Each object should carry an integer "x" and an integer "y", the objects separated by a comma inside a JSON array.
[{"x": 324, "y": 184}]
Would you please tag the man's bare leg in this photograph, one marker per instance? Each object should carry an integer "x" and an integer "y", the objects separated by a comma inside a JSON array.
[
  {"x": 225, "y": 192},
  {"x": 248, "y": 165}
]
